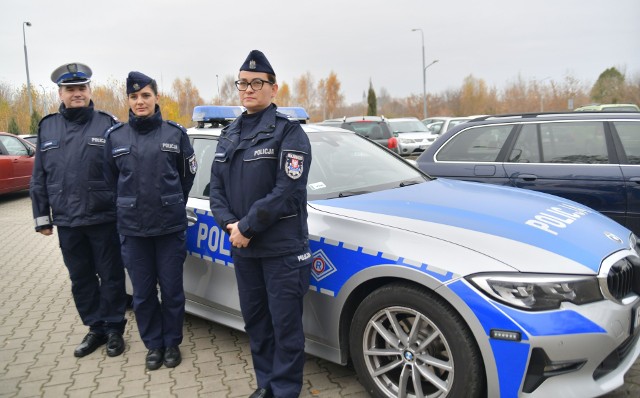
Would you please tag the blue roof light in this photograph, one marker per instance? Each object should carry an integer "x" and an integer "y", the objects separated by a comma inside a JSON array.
[
  {"x": 209, "y": 113},
  {"x": 294, "y": 112}
]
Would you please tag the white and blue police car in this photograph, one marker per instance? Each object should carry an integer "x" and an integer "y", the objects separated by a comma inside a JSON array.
[{"x": 435, "y": 287}]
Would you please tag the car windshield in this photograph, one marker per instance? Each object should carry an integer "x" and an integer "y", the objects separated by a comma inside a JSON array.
[
  {"x": 346, "y": 164},
  {"x": 407, "y": 126}
]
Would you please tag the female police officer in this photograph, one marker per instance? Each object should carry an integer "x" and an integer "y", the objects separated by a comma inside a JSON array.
[
  {"x": 258, "y": 194},
  {"x": 151, "y": 165}
]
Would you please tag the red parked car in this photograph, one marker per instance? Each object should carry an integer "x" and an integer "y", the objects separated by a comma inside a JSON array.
[{"x": 16, "y": 163}]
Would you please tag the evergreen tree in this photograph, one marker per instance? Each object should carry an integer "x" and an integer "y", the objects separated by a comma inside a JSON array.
[
  {"x": 609, "y": 88},
  {"x": 35, "y": 120},
  {"x": 13, "y": 126},
  {"x": 372, "y": 109}
]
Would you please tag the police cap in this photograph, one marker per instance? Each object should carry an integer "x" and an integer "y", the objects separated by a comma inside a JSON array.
[
  {"x": 136, "y": 81},
  {"x": 257, "y": 62},
  {"x": 71, "y": 74}
]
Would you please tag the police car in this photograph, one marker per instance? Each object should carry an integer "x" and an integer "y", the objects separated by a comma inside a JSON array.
[{"x": 435, "y": 287}]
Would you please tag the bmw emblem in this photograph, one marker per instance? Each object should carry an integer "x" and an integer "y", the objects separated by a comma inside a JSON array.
[
  {"x": 612, "y": 237},
  {"x": 408, "y": 355}
]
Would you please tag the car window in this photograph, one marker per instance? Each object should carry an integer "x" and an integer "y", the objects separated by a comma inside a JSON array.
[
  {"x": 629, "y": 133},
  {"x": 407, "y": 126},
  {"x": 479, "y": 144},
  {"x": 573, "y": 142},
  {"x": 13, "y": 146},
  {"x": 526, "y": 149},
  {"x": 371, "y": 130},
  {"x": 346, "y": 164},
  {"x": 205, "y": 150}
]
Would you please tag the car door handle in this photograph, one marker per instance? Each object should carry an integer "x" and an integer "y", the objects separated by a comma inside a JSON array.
[
  {"x": 192, "y": 218},
  {"x": 528, "y": 177},
  {"x": 635, "y": 179}
]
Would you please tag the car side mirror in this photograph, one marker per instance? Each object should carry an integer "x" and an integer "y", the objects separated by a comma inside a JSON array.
[{"x": 31, "y": 151}]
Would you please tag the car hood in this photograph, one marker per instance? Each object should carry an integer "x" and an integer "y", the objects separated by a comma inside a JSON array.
[{"x": 482, "y": 217}]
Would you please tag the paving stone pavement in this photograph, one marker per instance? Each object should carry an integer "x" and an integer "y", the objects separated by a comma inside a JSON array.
[{"x": 39, "y": 329}]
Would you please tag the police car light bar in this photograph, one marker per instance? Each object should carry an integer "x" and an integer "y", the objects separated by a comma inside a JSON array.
[
  {"x": 213, "y": 113},
  {"x": 295, "y": 112}
]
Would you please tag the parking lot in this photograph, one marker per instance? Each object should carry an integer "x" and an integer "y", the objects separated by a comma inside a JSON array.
[{"x": 39, "y": 328}]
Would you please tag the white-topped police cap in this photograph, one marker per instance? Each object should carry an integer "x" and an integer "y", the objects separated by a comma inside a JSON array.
[{"x": 70, "y": 74}]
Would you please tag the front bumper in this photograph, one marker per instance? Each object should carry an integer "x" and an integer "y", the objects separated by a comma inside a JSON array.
[{"x": 575, "y": 351}]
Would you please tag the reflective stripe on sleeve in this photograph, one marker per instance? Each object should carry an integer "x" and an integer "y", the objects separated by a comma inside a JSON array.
[{"x": 44, "y": 220}]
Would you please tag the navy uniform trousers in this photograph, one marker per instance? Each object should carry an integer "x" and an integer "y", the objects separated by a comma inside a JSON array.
[
  {"x": 271, "y": 291},
  {"x": 152, "y": 261},
  {"x": 91, "y": 253}
]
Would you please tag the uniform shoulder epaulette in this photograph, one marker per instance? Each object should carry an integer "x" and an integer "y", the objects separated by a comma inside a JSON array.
[
  {"x": 114, "y": 117},
  {"x": 113, "y": 128},
  {"x": 178, "y": 125},
  {"x": 48, "y": 116}
]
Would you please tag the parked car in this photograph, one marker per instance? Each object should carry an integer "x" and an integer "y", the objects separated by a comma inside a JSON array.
[
  {"x": 436, "y": 287},
  {"x": 16, "y": 163},
  {"x": 440, "y": 124},
  {"x": 412, "y": 135},
  {"x": 609, "y": 108},
  {"x": 30, "y": 138},
  {"x": 590, "y": 157},
  {"x": 375, "y": 128}
]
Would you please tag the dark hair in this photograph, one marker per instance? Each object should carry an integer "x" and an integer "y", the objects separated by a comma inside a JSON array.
[{"x": 154, "y": 86}]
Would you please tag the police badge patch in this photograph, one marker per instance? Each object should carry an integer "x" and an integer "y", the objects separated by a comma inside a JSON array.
[
  {"x": 193, "y": 164},
  {"x": 294, "y": 165}
]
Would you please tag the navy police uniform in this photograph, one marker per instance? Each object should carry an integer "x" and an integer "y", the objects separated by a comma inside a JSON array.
[
  {"x": 151, "y": 165},
  {"x": 68, "y": 190},
  {"x": 259, "y": 178}
]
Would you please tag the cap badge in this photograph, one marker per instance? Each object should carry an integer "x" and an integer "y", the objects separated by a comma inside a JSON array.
[
  {"x": 136, "y": 86},
  {"x": 73, "y": 68},
  {"x": 252, "y": 64}
]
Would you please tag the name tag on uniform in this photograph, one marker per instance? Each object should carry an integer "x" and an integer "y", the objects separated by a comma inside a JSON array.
[
  {"x": 119, "y": 151},
  {"x": 97, "y": 141},
  {"x": 51, "y": 144},
  {"x": 169, "y": 147}
]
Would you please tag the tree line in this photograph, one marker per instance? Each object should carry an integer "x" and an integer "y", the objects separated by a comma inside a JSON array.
[{"x": 323, "y": 98}]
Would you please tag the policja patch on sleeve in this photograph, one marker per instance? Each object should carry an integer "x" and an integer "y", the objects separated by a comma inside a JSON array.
[
  {"x": 294, "y": 165},
  {"x": 193, "y": 164}
]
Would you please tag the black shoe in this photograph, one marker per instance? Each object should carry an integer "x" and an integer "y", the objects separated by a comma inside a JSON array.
[
  {"x": 172, "y": 357},
  {"x": 154, "y": 358},
  {"x": 89, "y": 344},
  {"x": 115, "y": 344},
  {"x": 262, "y": 393}
]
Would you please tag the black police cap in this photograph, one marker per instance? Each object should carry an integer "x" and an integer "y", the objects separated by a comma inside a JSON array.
[
  {"x": 136, "y": 81},
  {"x": 71, "y": 74},
  {"x": 257, "y": 62}
]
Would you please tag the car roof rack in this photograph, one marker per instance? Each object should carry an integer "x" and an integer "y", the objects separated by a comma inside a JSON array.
[{"x": 528, "y": 115}]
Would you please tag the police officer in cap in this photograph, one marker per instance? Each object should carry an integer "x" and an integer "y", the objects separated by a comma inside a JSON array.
[
  {"x": 68, "y": 190},
  {"x": 151, "y": 165},
  {"x": 258, "y": 195}
]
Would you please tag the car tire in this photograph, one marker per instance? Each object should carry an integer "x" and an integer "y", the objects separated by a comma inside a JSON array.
[{"x": 388, "y": 352}]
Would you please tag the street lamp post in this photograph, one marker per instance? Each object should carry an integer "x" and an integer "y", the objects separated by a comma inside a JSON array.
[
  {"x": 542, "y": 92},
  {"x": 44, "y": 101},
  {"x": 26, "y": 64},
  {"x": 218, "y": 85},
  {"x": 424, "y": 77}
]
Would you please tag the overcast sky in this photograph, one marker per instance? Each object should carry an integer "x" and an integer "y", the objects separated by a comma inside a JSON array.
[{"x": 495, "y": 40}]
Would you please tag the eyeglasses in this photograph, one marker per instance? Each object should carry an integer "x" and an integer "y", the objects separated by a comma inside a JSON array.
[{"x": 256, "y": 84}]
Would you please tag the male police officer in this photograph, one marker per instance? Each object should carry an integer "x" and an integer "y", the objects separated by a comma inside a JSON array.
[
  {"x": 68, "y": 190},
  {"x": 258, "y": 195}
]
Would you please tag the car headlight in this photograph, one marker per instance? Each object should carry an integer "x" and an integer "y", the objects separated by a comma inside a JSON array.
[{"x": 538, "y": 292}]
